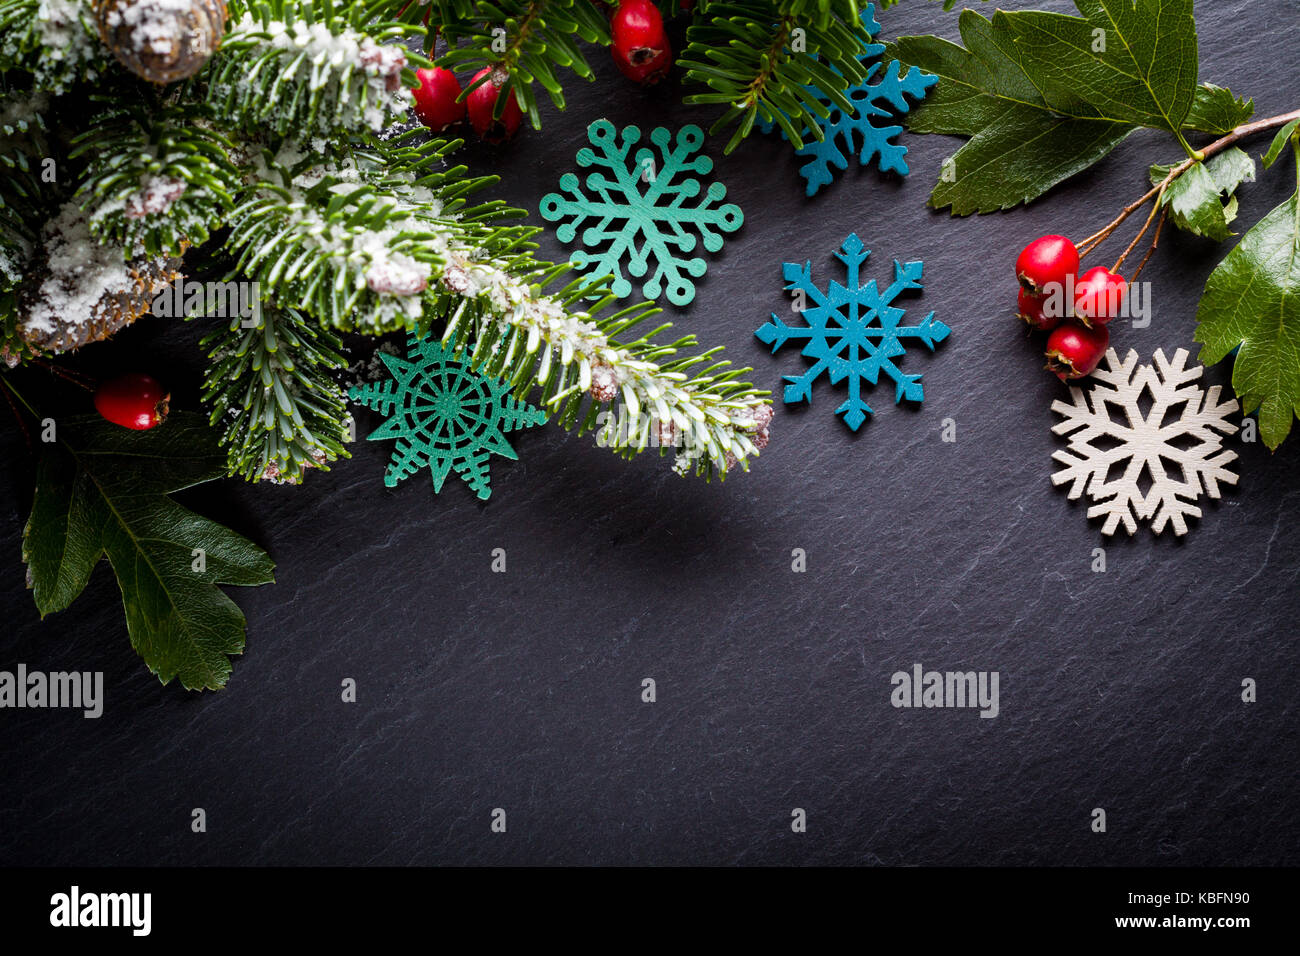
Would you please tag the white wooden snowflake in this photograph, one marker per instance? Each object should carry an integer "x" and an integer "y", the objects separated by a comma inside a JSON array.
[{"x": 1174, "y": 448}]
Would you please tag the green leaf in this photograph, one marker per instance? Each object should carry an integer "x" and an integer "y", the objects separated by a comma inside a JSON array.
[
  {"x": 103, "y": 490},
  {"x": 1279, "y": 142},
  {"x": 1044, "y": 96},
  {"x": 1252, "y": 301},
  {"x": 1216, "y": 110},
  {"x": 1020, "y": 145},
  {"x": 1132, "y": 61},
  {"x": 1195, "y": 200}
]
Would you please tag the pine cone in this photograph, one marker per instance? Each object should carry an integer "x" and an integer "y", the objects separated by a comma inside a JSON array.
[{"x": 162, "y": 40}]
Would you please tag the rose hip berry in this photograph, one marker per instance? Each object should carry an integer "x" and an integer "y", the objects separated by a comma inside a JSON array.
[
  {"x": 135, "y": 401},
  {"x": 1046, "y": 260},
  {"x": 640, "y": 48},
  {"x": 435, "y": 98},
  {"x": 1099, "y": 296},
  {"x": 481, "y": 103},
  {"x": 1031, "y": 309},
  {"x": 1075, "y": 350}
]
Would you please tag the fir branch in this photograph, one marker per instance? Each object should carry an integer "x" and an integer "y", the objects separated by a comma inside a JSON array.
[
  {"x": 485, "y": 280},
  {"x": 318, "y": 239},
  {"x": 751, "y": 57},
  {"x": 311, "y": 67},
  {"x": 23, "y": 198},
  {"x": 160, "y": 179},
  {"x": 273, "y": 397},
  {"x": 54, "y": 40},
  {"x": 528, "y": 39}
]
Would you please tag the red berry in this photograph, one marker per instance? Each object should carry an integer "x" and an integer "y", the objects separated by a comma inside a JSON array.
[
  {"x": 1031, "y": 310},
  {"x": 435, "y": 98},
  {"x": 640, "y": 48},
  {"x": 482, "y": 101},
  {"x": 1099, "y": 296},
  {"x": 1075, "y": 350},
  {"x": 1046, "y": 260},
  {"x": 132, "y": 401}
]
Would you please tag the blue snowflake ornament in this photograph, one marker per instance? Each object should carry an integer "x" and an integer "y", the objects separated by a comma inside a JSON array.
[
  {"x": 842, "y": 131},
  {"x": 852, "y": 331},
  {"x": 444, "y": 415},
  {"x": 642, "y": 210}
]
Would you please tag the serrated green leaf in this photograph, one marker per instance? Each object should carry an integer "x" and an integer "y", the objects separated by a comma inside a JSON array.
[
  {"x": 1195, "y": 198},
  {"x": 1044, "y": 96},
  {"x": 1020, "y": 146},
  {"x": 1131, "y": 61},
  {"x": 103, "y": 490},
  {"x": 1217, "y": 110},
  {"x": 1279, "y": 142},
  {"x": 1252, "y": 301}
]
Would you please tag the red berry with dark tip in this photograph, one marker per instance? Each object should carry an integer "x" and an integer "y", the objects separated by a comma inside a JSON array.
[
  {"x": 482, "y": 101},
  {"x": 640, "y": 46},
  {"x": 1045, "y": 261},
  {"x": 435, "y": 98},
  {"x": 1099, "y": 296},
  {"x": 1032, "y": 308},
  {"x": 135, "y": 401},
  {"x": 1075, "y": 350}
]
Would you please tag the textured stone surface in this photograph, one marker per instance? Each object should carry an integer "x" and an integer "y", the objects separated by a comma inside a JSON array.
[{"x": 522, "y": 691}]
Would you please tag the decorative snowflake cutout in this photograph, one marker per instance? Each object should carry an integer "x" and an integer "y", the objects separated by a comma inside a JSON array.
[
  {"x": 1114, "y": 446},
  {"x": 852, "y": 331},
  {"x": 841, "y": 132},
  {"x": 443, "y": 415},
  {"x": 643, "y": 210}
]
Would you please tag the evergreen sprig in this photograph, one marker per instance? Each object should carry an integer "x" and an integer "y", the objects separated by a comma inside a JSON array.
[
  {"x": 528, "y": 39},
  {"x": 314, "y": 67},
  {"x": 757, "y": 56},
  {"x": 274, "y": 398},
  {"x": 157, "y": 178}
]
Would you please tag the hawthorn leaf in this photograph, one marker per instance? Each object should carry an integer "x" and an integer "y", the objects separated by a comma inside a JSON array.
[
  {"x": 1020, "y": 146},
  {"x": 1195, "y": 199},
  {"x": 1279, "y": 142},
  {"x": 1217, "y": 110},
  {"x": 102, "y": 490},
  {"x": 1252, "y": 302},
  {"x": 1132, "y": 61},
  {"x": 1044, "y": 96}
]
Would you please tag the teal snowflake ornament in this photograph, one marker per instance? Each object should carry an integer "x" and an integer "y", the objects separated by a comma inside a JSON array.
[
  {"x": 444, "y": 415},
  {"x": 841, "y": 131},
  {"x": 648, "y": 209},
  {"x": 853, "y": 331}
]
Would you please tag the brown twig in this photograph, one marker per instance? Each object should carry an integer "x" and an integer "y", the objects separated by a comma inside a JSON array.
[
  {"x": 1218, "y": 146},
  {"x": 22, "y": 425},
  {"x": 1155, "y": 241},
  {"x": 81, "y": 381},
  {"x": 1157, "y": 207}
]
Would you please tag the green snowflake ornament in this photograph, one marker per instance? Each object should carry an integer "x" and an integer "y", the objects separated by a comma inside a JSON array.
[
  {"x": 647, "y": 209},
  {"x": 444, "y": 415}
]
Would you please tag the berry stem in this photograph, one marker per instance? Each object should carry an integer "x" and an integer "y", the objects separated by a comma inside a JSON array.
[
  {"x": 1157, "y": 207},
  {"x": 10, "y": 395},
  {"x": 1155, "y": 242},
  {"x": 1218, "y": 146}
]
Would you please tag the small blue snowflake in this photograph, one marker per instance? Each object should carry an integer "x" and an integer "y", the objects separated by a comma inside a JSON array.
[
  {"x": 852, "y": 331},
  {"x": 842, "y": 131}
]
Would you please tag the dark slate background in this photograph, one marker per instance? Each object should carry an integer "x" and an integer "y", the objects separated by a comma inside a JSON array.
[{"x": 522, "y": 691}]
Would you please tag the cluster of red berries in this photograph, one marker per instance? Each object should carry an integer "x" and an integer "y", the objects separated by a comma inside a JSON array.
[
  {"x": 1075, "y": 309},
  {"x": 641, "y": 52}
]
